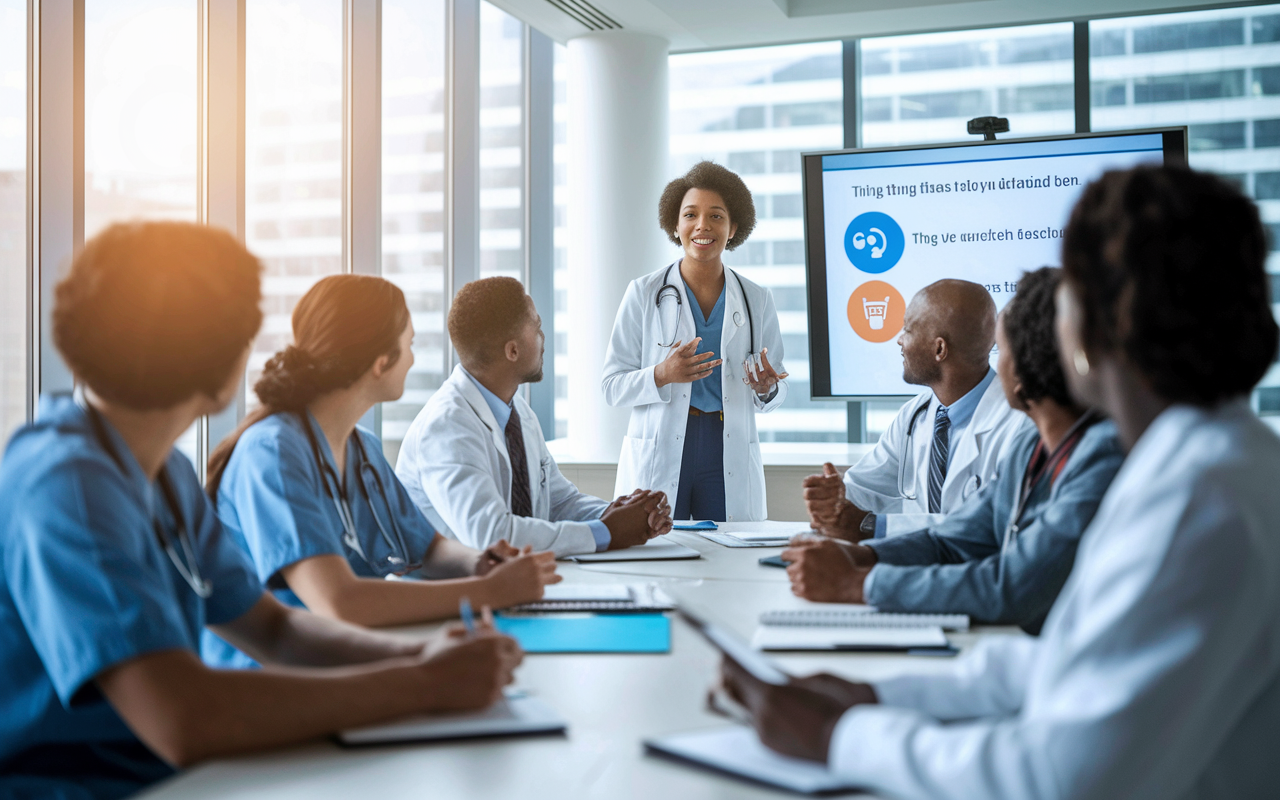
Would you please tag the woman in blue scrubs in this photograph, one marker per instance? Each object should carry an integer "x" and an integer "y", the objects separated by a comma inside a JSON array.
[
  {"x": 315, "y": 502},
  {"x": 112, "y": 560}
]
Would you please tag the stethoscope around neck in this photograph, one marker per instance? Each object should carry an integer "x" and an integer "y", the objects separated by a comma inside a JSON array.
[
  {"x": 397, "y": 562},
  {"x": 906, "y": 453},
  {"x": 187, "y": 564},
  {"x": 668, "y": 291}
]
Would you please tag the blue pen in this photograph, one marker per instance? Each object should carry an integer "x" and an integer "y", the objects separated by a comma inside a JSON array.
[{"x": 468, "y": 616}]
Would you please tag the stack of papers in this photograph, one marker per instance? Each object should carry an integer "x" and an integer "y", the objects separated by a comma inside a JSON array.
[
  {"x": 774, "y": 537},
  {"x": 657, "y": 549}
]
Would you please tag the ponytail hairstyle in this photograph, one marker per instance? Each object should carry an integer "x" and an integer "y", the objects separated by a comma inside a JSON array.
[{"x": 340, "y": 328}]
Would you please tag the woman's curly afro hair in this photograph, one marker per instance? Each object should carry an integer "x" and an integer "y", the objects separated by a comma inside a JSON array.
[{"x": 709, "y": 176}]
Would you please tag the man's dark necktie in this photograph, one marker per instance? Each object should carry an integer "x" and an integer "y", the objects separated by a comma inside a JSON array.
[
  {"x": 521, "y": 502},
  {"x": 938, "y": 459}
]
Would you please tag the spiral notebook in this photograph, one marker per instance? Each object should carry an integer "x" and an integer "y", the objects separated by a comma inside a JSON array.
[
  {"x": 612, "y": 597},
  {"x": 862, "y": 617}
]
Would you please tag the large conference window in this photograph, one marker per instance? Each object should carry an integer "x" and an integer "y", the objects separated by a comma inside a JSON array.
[
  {"x": 755, "y": 111},
  {"x": 413, "y": 192},
  {"x": 1218, "y": 73},
  {"x": 925, "y": 87},
  {"x": 501, "y": 143},
  {"x": 293, "y": 156},
  {"x": 13, "y": 215},
  {"x": 560, "y": 233},
  {"x": 140, "y": 136}
]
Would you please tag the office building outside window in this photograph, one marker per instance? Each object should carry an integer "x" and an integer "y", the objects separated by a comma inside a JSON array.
[
  {"x": 501, "y": 143},
  {"x": 413, "y": 200},
  {"x": 755, "y": 111},
  {"x": 1218, "y": 73},
  {"x": 140, "y": 137},
  {"x": 13, "y": 215},
  {"x": 293, "y": 157},
  {"x": 925, "y": 87}
]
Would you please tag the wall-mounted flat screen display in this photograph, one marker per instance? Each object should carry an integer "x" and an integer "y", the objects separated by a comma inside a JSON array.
[{"x": 880, "y": 224}]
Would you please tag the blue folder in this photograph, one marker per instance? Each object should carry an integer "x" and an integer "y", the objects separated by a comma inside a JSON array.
[
  {"x": 686, "y": 525},
  {"x": 594, "y": 633}
]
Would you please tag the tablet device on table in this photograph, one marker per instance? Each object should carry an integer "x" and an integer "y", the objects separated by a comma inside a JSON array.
[{"x": 760, "y": 667}]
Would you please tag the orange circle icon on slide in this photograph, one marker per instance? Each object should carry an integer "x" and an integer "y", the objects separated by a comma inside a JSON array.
[{"x": 875, "y": 311}]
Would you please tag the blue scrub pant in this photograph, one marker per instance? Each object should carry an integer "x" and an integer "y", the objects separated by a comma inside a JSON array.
[
  {"x": 701, "y": 492},
  {"x": 82, "y": 771}
]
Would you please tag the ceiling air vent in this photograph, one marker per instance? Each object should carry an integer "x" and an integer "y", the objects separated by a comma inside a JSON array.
[{"x": 586, "y": 14}]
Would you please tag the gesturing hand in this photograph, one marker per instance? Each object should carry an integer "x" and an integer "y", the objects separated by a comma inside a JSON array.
[
  {"x": 830, "y": 512},
  {"x": 684, "y": 364},
  {"x": 763, "y": 379}
]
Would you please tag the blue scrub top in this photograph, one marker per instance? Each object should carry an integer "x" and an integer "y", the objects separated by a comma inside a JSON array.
[
  {"x": 85, "y": 585},
  {"x": 272, "y": 501},
  {"x": 707, "y": 394}
]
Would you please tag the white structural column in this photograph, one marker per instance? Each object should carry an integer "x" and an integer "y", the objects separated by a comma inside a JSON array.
[{"x": 617, "y": 140}]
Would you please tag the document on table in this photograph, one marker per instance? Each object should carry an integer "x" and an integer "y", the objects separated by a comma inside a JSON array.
[
  {"x": 515, "y": 714},
  {"x": 861, "y": 617},
  {"x": 790, "y": 637},
  {"x": 658, "y": 549},
  {"x": 737, "y": 751}
]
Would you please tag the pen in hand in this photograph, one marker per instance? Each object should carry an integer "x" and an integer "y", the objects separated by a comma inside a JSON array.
[{"x": 468, "y": 616}]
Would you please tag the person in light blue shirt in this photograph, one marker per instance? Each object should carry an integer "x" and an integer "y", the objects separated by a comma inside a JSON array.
[
  {"x": 313, "y": 500},
  {"x": 112, "y": 560},
  {"x": 1004, "y": 555}
]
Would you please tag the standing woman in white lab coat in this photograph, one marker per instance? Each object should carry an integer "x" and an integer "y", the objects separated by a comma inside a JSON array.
[{"x": 696, "y": 352}]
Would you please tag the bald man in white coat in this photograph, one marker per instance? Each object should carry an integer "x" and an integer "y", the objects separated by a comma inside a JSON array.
[{"x": 945, "y": 444}]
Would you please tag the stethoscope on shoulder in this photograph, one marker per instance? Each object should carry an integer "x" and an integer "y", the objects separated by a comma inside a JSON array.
[
  {"x": 187, "y": 564},
  {"x": 395, "y": 562},
  {"x": 668, "y": 290}
]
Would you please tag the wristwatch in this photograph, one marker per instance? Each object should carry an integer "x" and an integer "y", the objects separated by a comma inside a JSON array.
[{"x": 868, "y": 525}]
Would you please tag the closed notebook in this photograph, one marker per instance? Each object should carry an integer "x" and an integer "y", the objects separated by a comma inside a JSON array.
[
  {"x": 791, "y": 637},
  {"x": 737, "y": 751},
  {"x": 588, "y": 633},
  {"x": 515, "y": 715}
]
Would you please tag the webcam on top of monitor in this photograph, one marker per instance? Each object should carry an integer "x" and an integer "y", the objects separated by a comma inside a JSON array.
[{"x": 988, "y": 127}]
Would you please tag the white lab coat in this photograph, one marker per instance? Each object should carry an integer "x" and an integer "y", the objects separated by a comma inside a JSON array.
[
  {"x": 1157, "y": 674},
  {"x": 654, "y": 446},
  {"x": 455, "y": 465},
  {"x": 872, "y": 483}
]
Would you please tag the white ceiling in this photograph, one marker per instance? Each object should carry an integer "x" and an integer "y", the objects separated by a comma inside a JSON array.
[{"x": 717, "y": 24}]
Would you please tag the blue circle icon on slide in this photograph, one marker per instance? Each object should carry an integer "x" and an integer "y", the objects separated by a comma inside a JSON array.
[{"x": 874, "y": 242}]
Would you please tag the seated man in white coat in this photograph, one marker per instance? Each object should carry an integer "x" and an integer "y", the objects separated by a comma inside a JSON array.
[
  {"x": 945, "y": 444},
  {"x": 474, "y": 459}
]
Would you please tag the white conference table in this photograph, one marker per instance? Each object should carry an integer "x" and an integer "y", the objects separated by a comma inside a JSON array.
[{"x": 611, "y": 702}]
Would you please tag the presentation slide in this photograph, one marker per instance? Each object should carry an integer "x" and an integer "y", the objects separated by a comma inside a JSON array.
[{"x": 895, "y": 221}]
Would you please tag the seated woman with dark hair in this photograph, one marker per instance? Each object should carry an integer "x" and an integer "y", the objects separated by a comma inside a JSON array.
[
  {"x": 112, "y": 560},
  {"x": 1157, "y": 674},
  {"x": 317, "y": 504},
  {"x": 1003, "y": 556}
]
